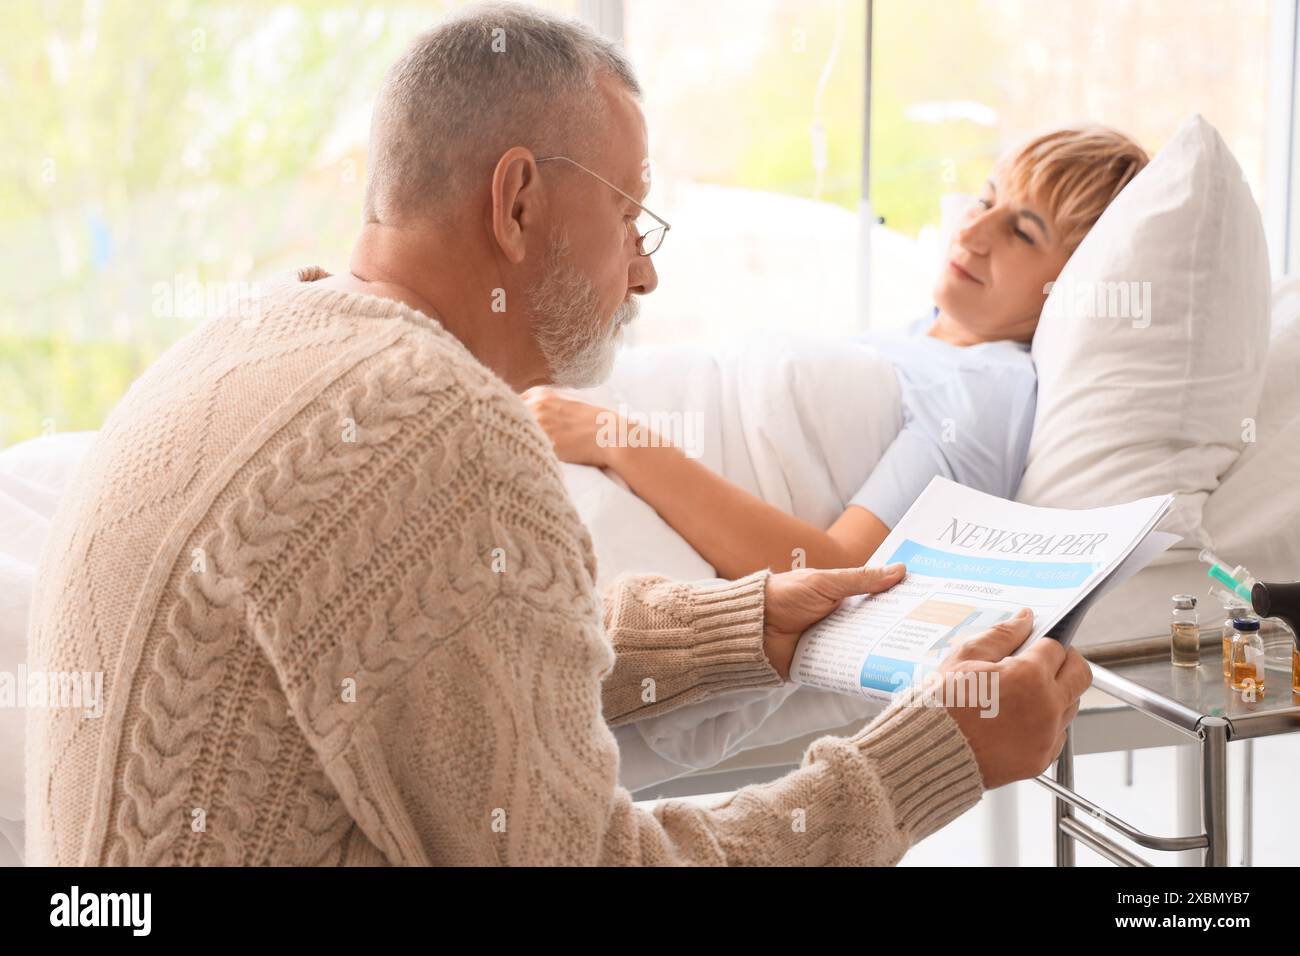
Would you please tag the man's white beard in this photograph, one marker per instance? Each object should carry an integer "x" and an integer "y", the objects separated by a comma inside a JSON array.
[{"x": 577, "y": 344}]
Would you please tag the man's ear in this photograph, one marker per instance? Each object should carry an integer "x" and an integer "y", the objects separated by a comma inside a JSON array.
[{"x": 516, "y": 202}]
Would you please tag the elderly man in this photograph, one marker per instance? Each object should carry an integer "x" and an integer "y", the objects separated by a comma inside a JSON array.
[{"x": 344, "y": 609}]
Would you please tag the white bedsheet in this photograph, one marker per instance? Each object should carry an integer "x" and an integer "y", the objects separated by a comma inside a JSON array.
[
  {"x": 33, "y": 476},
  {"x": 1252, "y": 518},
  {"x": 798, "y": 422},
  {"x": 781, "y": 420}
]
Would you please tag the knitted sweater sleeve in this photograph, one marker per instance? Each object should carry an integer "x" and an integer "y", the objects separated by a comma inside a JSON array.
[
  {"x": 676, "y": 643},
  {"x": 471, "y": 727}
]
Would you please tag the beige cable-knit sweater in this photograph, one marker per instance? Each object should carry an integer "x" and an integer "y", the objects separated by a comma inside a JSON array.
[{"x": 345, "y": 614}]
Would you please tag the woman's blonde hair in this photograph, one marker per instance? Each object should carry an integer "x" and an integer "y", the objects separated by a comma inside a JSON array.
[{"x": 1074, "y": 173}]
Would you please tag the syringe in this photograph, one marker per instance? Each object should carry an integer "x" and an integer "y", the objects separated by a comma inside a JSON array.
[{"x": 1236, "y": 581}]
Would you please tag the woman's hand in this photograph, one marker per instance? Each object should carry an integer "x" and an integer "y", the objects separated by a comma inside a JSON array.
[
  {"x": 572, "y": 426},
  {"x": 796, "y": 600}
]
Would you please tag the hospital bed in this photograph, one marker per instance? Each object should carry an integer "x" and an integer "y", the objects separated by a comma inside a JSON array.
[
  {"x": 33, "y": 475},
  {"x": 1251, "y": 515},
  {"x": 1124, "y": 625},
  {"x": 1136, "y": 702},
  {"x": 1200, "y": 396}
]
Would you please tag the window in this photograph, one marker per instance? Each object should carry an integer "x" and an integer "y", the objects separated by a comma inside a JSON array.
[
  {"x": 955, "y": 83},
  {"x": 755, "y": 117},
  {"x": 159, "y": 156}
]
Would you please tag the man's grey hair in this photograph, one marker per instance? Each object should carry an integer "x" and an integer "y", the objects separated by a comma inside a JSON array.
[{"x": 493, "y": 76}]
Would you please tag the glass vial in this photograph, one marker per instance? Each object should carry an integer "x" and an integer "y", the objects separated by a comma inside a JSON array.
[
  {"x": 1247, "y": 656},
  {"x": 1184, "y": 632},
  {"x": 1231, "y": 611},
  {"x": 1295, "y": 667}
]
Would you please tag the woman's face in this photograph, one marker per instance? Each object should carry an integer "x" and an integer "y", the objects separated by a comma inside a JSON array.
[{"x": 1002, "y": 255}]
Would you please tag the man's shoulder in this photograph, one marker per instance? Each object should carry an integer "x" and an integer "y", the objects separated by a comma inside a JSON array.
[
  {"x": 427, "y": 390},
  {"x": 458, "y": 455},
  {"x": 429, "y": 364}
]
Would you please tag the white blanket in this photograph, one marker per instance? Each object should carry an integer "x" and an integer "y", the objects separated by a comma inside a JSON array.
[
  {"x": 800, "y": 423},
  {"x": 33, "y": 476}
]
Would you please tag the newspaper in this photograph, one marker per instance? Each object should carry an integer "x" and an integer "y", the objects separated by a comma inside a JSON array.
[{"x": 974, "y": 560}]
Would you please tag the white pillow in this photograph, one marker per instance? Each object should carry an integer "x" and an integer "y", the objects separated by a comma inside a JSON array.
[
  {"x": 1133, "y": 404},
  {"x": 1254, "y": 516}
]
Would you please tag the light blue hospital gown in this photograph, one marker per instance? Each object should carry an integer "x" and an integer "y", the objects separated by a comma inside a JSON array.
[{"x": 967, "y": 415}]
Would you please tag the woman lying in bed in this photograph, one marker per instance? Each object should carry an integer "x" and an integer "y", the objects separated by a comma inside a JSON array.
[{"x": 966, "y": 379}]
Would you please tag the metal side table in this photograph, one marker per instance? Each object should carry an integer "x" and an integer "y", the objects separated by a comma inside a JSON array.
[{"x": 1197, "y": 703}]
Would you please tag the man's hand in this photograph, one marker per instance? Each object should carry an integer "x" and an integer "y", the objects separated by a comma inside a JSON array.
[
  {"x": 571, "y": 425},
  {"x": 796, "y": 600},
  {"x": 1037, "y": 697}
]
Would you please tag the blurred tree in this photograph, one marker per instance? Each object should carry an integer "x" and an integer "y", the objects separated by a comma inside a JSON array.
[{"x": 214, "y": 141}]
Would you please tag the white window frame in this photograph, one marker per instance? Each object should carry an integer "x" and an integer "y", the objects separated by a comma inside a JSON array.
[
  {"x": 1281, "y": 219},
  {"x": 605, "y": 15}
]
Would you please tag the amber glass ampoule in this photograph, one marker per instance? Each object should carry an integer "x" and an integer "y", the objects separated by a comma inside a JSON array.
[{"x": 1247, "y": 656}]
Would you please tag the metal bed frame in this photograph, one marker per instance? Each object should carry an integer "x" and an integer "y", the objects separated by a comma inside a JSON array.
[
  {"x": 1197, "y": 705},
  {"x": 1138, "y": 700}
]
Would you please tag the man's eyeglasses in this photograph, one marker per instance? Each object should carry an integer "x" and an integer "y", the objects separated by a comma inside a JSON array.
[{"x": 647, "y": 241}]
